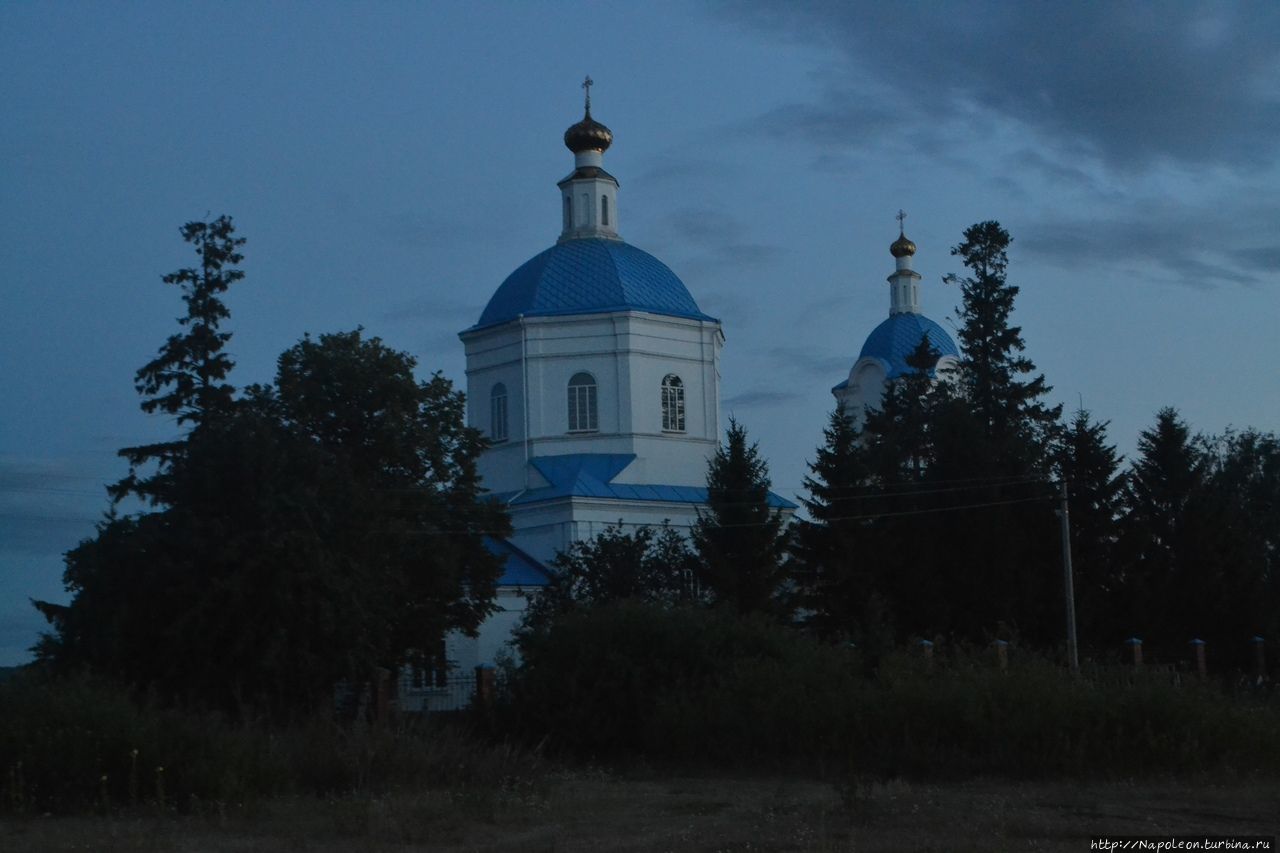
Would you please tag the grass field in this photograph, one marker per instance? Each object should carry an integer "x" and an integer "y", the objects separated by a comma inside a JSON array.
[{"x": 587, "y": 811}]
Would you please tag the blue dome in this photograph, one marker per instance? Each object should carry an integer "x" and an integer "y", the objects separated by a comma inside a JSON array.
[
  {"x": 590, "y": 276},
  {"x": 895, "y": 339}
]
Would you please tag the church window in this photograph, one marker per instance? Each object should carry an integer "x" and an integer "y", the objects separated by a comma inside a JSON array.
[
  {"x": 582, "y": 403},
  {"x": 604, "y": 210},
  {"x": 568, "y": 212},
  {"x": 498, "y": 412},
  {"x": 672, "y": 404}
]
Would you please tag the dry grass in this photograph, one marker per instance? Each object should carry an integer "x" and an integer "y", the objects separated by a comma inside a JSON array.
[{"x": 593, "y": 812}]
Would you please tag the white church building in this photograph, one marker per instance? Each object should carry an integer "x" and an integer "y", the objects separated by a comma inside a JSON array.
[{"x": 596, "y": 378}]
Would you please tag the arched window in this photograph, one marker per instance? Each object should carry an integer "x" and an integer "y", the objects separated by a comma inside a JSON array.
[
  {"x": 582, "y": 403},
  {"x": 604, "y": 210},
  {"x": 498, "y": 412},
  {"x": 568, "y": 212},
  {"x": 672, "y": 404}
]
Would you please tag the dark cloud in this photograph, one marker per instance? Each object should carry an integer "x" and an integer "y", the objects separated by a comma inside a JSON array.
[
  {"x": 713, "y": 240},
  {"x": 39, "y": 534},
  {"x": 417, "y": 231},
  {"x": 811, "y": 362},
  {"x": 760, "y": 399},
  {"x": 1130, "y": 84},
  {"x": 1263, "y": 259},
  {"x": 1199, "y": 246},
  {"x": 46, "y": 506},
  {"x": 430, "y": 310}
]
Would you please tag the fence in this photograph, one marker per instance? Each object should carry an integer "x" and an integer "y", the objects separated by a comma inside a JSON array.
[{"x": 447, "y": 691}]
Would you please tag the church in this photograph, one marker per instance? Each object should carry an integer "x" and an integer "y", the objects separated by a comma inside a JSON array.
[{"x": 596, "y": 378}]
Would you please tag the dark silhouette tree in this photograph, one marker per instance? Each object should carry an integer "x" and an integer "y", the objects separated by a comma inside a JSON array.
[
  {"x": 831, "y": 547},
  {"x": 653, "y": 565},
  {"x": 187, "y": 378},
  {"x": 1161, "y": 483},
  {"x": 1091, "y": 469},
  {"x": 741, "y": 540},
  {"x": 995, "y": 375},
  {"x": 296, "y": 536}
]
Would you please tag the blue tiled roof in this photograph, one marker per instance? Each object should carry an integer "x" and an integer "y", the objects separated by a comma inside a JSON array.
[
  {"x": 589, "y": 276},
  {"x": 894, "y": 339},
  {"x": 518, "y": 568},
  {"x": 590, "y": 475}
]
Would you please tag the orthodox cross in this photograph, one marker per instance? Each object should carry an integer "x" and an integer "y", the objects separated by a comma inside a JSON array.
[
  {"x": 901, "y": 217},
  {"x": 587, "y": 84}
]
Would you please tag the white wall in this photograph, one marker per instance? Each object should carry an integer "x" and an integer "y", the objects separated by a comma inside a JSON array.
[{"x": 628, "y": 354}]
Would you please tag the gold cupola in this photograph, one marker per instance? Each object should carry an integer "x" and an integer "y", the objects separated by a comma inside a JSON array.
[
  {"x": 902, "y": 247},
  {"x": 588, "y": 134}
]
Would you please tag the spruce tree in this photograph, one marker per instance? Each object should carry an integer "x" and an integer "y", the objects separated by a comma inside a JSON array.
[
  {"x": 1161, "y": 484},
  {"x": 1091, "y": 469},
  {"x": 830, "y": 547},
  {"x": 187, "y": 378},
  {"x": 740, "y": 539},
  {"x": 995, "y": 375}
]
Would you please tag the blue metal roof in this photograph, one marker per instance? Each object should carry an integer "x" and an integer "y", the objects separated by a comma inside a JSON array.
[
  {"x": 590, "y": 276},
  {"x": 894, "y": 339},
  {"x": 518, "y": 568},
  {"x": 590, "y": 475}
]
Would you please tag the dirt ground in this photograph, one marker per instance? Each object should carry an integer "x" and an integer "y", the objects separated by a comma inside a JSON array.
[{"x": 600, "y": 812}]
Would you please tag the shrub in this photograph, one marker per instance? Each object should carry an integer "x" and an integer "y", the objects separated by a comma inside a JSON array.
[
  {"x": 692, "y": 684},
  {"x": 75, "y": 743}
]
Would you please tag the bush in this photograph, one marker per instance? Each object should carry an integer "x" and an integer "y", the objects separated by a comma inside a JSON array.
[
  {"x": 681, "y": 682},
  {"x": 696, "y": 685},
  {"x": 76, "y": 743}
]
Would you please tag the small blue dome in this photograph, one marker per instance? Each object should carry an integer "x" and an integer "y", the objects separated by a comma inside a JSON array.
[
  {"x": 590, "y": 276},
  {"x": 895, "y": 339}
]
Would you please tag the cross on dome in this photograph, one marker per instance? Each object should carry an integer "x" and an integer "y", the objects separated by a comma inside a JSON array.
[
  {"x": 902, "y": 247},
  {"x": 587, "y": 84}
]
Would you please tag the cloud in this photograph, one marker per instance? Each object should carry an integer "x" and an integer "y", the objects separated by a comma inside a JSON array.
[
  {"x": 431, "y": 310},
  {"x": 1192, "y": 85},
  {"x": 1199, "y": 245},
  {"x": 811, "y": 362},
  {"x": 46, "y": 506},
  {"x": 760, "y": 399},
  {"x": 714, "y": 240}
]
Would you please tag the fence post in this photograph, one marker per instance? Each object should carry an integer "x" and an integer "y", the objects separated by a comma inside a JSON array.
[
  {"x": 1201, "y": 667},
  {"x": 1260, "y": 658},
  {"x": 1136, "y": 645},
  {"x": 486, "y": 685}
]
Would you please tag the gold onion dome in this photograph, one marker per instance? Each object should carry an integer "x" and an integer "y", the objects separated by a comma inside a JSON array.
[
  {"x": 902, "y": 247},
  {"x": 588, "y": 135}
]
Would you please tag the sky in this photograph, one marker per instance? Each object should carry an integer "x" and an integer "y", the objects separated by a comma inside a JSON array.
[{"x": 391, "y": 163}]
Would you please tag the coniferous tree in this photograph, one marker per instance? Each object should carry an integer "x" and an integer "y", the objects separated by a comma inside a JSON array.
[
  {"x": 1160, "y": 486},
  {"x": 187, "y": 378},
  {"x": 991, "y": 460},
  {"x": 1231, "y": 589},
  {"x": 995, "y": 375},
  {"x": 1091, "y": 469},
  {"x": 741, "y": 540},
  {"x": 832, "y": 548}
]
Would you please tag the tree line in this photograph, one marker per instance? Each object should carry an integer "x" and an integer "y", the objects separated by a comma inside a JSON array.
[
  {"x": 310, "y": 531},
  {"x": 936, "y": 514}
]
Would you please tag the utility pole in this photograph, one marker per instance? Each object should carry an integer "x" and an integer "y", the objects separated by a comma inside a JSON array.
[{"x": 1068, "y": 584}]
